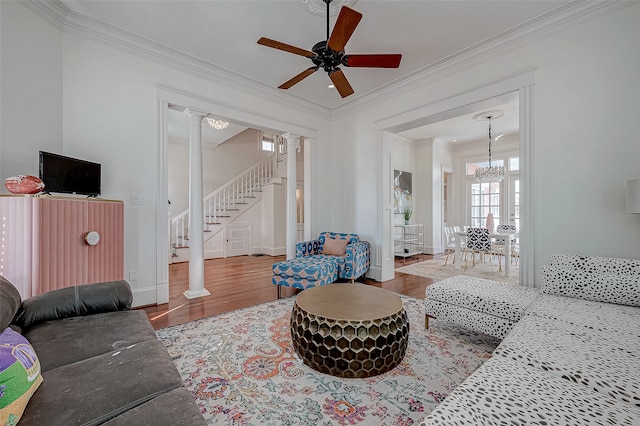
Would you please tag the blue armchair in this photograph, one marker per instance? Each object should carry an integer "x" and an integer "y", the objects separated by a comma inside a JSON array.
[{"x": 352, "y": 256}]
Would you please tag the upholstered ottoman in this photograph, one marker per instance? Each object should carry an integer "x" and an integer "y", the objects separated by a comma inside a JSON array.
[
  {"x": 304, "y": 272},
  {"x": 486, "y": 306}
]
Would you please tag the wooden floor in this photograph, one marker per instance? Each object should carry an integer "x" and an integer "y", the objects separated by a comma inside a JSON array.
[{"x": 242, "y": 281}]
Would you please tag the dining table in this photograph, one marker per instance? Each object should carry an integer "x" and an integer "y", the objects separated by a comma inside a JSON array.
[{"x": 496, "y": 236}]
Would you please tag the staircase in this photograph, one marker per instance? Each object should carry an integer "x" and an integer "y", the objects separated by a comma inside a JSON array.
[{"x": 223, "y": 206}]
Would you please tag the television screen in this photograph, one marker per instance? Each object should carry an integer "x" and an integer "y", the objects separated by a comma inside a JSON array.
[{"x": 69, "y": 175}]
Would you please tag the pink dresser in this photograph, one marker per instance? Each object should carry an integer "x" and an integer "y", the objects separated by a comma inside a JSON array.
[{"x": 55, "y": 242}]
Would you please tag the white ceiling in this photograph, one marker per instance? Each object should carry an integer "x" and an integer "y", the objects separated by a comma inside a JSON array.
[{"x": 224, "y": 33}]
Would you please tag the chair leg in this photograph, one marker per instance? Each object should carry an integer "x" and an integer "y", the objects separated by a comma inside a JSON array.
[{"x": 426, "y": 321}]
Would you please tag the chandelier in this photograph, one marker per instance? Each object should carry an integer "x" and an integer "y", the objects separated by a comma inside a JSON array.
[
  {"x": 217, "y": 124},
  {"x": 490, "y": 173}
]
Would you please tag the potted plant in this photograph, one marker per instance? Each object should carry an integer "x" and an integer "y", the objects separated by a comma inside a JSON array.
[{"x": 407, "y": 215}]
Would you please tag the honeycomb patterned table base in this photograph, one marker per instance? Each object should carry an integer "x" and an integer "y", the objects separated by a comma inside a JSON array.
[{"x": 349, "y": 330}]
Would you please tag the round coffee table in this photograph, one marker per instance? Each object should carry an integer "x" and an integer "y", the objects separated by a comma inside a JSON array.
[{"x": 349, "y": 330}]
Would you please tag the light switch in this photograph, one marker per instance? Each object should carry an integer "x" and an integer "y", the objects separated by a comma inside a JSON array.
[{"x": 137, "y": 199}]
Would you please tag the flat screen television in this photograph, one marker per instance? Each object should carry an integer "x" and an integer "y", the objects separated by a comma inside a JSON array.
[{"x": 69, "y": 175}]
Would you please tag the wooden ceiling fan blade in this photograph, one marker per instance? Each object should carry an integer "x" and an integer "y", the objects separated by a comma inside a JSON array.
[
  {"x": 298, "y": 78},
  {"x": 346, "y": 24},
  {"x": 286, "y": 47},
  {"x": 340, "y": 81},
  {"x": 384, "y": 60}
]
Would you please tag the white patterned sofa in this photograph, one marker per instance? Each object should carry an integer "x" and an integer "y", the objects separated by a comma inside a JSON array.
[{"x": 572, "y": 358}]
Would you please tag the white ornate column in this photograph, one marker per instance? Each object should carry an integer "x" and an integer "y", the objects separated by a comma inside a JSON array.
[
  {"x": 292, "y": 226},
  {"x": 196, "y": 208}
]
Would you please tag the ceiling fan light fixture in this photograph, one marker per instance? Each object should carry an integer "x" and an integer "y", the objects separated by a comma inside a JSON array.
[{"x": 217, "y": 124}]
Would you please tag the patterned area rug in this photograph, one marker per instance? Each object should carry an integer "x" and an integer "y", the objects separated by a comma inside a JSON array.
[
  {"x": 434, "y": 268},
  {"x": 242, "y": 370}
]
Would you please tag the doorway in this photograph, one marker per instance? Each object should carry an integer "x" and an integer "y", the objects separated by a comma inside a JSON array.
[{"x": 519, "y": 87}]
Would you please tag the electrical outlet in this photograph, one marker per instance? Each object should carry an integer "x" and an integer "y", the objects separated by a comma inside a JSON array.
[
  {"x": 133, "y": 275},
  {"x": 137, "y": 199}
]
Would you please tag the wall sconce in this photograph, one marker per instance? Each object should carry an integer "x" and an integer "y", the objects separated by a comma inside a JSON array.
[{"x": 633, "y": 196}]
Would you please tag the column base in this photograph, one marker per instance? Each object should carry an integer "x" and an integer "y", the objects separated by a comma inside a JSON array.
[{"x": 194, "y": 294}]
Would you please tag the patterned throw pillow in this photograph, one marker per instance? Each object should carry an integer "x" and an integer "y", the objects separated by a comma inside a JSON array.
[
  {"x": 19, "y": 375},
  {"x": 609, "y": 288},
  {"x": 335, "y": 247}
]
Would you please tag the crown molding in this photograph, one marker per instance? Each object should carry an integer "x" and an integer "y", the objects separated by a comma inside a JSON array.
[
  {"x": 75, "y": 23},
  {"x": 553, "y": 21},
  {"x": 53, "y": 12},
  {"x": 556, "y": 20}
]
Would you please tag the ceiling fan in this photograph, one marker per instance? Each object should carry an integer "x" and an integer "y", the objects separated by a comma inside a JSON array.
[{"x": 329, "y": 54}]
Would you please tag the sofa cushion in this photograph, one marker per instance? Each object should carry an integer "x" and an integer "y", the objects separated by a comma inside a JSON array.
[
  {"x": 65, "y": 341},
  {"x": 73, "y": 301},
  {"x": 595, "y": 264},
  {"x": 19, "y": 375},
  {"x": 10, "y": 301},
  {"x": 601, "y": 361},
  {"x": 607, "y": 317},
  {"x": 174, "y": 408},
  {"x": 308, "y": 267},
  {"x": 503, "y": 391},
  {"x": 599, "y": 287},
  {"x": 94, "y": 390},
  {"x": 335, "y": 247}
]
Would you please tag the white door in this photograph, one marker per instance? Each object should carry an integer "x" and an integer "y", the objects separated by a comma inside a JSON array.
[{"x": 238, "y": 240}]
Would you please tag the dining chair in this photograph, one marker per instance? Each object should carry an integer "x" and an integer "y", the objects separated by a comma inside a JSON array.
[
  {"x": 450, "y": 243},
  {"x": 497, "y": 246},
  {"x": 478, "y": 241}
]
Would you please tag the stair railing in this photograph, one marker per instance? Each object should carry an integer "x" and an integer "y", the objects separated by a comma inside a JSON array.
[{"x": 229, "y": 197}]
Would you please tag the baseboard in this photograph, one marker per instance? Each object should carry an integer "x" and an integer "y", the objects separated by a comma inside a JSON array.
[
  {"x": 213, "y": 254},
  {"x": 375, "y": 273},
  {"x": 146, "y": 295},
  {"x": 273, "y": 251},
  {"x": 433, "y": 250}
]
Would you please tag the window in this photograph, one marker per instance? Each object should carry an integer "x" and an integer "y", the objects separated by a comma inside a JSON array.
[
  {"x": 267, "y": 145},
  {"x": 514, "y": 164},
  {"x": 484, "y": 199}
]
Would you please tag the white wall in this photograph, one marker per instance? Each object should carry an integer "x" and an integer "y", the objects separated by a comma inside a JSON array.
[
  {"x": 585, "y": 106},
  {"x": 220, "y": 163},
  {"x": 30, "y": 90}
]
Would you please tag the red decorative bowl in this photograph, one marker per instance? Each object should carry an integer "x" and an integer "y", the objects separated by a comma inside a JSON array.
[{"x": 24, "y": 184}]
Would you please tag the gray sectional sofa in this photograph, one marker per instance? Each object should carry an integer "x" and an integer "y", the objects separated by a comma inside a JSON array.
[
  {"x": 570, "y": 353},
  {"x": 100, "y": 361}
]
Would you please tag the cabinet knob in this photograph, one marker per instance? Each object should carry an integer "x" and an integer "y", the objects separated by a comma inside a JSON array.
[{"x": 92, "y": 238}]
